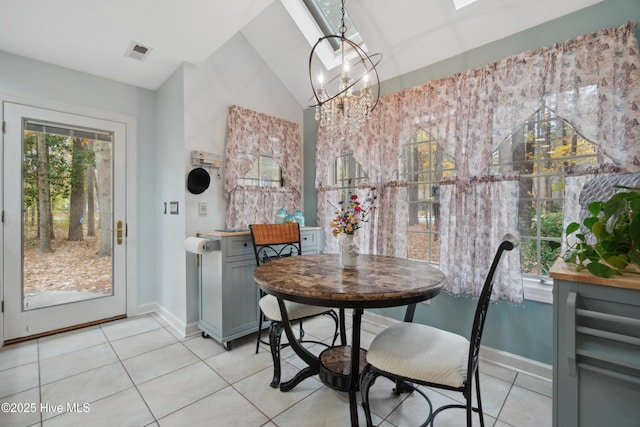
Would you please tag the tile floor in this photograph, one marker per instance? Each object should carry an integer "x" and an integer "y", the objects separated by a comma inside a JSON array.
[{"x": 135, "y": 372}]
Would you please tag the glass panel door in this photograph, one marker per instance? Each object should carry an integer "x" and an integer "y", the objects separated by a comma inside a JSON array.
[
  {"x": 67, "y": 214},
  {"x": 65, "y": 231}
]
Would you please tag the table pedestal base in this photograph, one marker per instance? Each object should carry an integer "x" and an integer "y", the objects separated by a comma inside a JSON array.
[{"x": 335, "y": 366}]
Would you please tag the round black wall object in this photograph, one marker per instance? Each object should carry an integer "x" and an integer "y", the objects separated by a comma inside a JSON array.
[{"x": 198, "y": 181}]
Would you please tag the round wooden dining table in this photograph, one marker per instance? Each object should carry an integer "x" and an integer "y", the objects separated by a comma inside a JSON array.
[{"x": 377, "y": 281}]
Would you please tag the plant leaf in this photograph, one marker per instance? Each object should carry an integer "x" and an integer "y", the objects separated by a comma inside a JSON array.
[
  {"x": 596, "y": 229},
  {"x": 572, "y": 228},
  {"x": 618, "y": 261},
  {"x": 614, "y": 207},
  {"x": 634, "y": 229},
  {"x": 595, "y": 208},
  {"x": 570, "y": 257},
  {"x": 588, "y": 222},
  {"x": 554, "y": 245},
  {"x": 634, "y": 203},
  {"x": 600, "y": 270}
]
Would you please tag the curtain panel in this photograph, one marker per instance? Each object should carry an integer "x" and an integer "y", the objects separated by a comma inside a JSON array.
[
  {"x": 592, "y": 81},
  {"x": 251, "y": 134},
  {"x": 477, "y": 237},
  {"x": 328, "y": 206}
]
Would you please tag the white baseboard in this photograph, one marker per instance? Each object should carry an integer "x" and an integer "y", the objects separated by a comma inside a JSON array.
[
  {"x": 498, "y": 357},
  {"x": 517, "y": 363},
  {"x": 177, "y": 327},
  {"x": 368, "y": 316}
]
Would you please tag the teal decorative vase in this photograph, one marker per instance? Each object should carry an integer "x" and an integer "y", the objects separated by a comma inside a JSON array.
[{"x": 281, "y": 215}]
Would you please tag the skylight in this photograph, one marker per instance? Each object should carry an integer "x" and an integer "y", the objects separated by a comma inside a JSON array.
[
  {"x": 459, "y": 4},
  {"x": 318, "y": 18},
  {"x": 328, "y": 16}
]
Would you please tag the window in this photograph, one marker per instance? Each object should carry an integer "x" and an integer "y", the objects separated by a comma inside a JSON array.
[
  {"x": 423, "y": 164},
  {"x": 543, "y": 151},
  {"x": 319, "y": 18},
  {"x": 328, "y": 16},
  {"x": 265, "y": 172},
  {"x": 348, "y": 174},
  {"x": 459, "y": 4}
]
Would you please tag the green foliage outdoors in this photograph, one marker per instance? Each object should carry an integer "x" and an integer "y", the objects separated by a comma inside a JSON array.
[
  {"x": 550, "y": 226},
  {"x": 59, "y": 168},
  {"x": 615, "y": 224}
]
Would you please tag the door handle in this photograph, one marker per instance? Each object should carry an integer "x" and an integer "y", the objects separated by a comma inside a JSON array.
[{"x": 119, "y": 232}]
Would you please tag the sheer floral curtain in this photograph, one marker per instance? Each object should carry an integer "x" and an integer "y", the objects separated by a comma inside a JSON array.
[
  {"x": 327, "y": 199},
  {"x": 592, "y": 81},
  {"x": 572, "y": 188},
  {"x": 493, "y": 206},
  {"x": 372, "y": 149},
  {"x": 251, "y": 134}
]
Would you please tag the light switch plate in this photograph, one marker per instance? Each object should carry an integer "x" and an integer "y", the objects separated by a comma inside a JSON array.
[
  {"x": 173, "y": 208},
  {"x": 202, "y": 208}
]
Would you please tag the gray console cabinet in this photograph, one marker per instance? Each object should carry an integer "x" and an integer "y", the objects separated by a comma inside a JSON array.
[
  {"x": 596, "y": 356},
  {"x": 228, "y": 296}
]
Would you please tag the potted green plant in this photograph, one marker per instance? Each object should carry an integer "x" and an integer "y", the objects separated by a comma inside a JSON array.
[{"x": 615, "y": 226}]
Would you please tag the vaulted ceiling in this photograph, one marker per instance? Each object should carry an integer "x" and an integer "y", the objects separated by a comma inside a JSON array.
[{"x": 92, "y": 36}]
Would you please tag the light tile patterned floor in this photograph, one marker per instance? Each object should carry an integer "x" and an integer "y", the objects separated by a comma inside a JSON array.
[{"x": 135, "y": 372}]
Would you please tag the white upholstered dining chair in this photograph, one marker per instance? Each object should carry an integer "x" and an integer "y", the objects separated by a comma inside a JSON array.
[{"x": 412, "y": 353}]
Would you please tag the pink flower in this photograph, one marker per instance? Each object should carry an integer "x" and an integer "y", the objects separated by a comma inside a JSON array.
[{"x": 350, "y": 215}]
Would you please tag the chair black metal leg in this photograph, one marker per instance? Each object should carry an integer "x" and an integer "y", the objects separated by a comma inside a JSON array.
[
  {"x": 367, "y": 378},
  {"x": 260, "y": 321},
  {"x": 336, "y": 332},
  {"x": 310, "y": 359},
  {"x": 480, "y": 412},
  {"x": 275, "y": 334},
  {"x": 343, "y": 328}
]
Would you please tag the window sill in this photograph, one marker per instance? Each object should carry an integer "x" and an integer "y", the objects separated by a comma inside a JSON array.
[{"x": 536, "y": 290}]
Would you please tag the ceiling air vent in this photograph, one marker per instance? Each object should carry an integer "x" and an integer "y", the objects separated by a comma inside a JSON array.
[{"x": 138, "y": 51}]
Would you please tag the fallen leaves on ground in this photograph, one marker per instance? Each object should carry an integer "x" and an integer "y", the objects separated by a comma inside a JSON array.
[{"x": 73, "y": 266}]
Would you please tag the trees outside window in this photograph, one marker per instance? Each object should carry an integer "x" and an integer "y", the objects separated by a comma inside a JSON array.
[
  {"x": 543, "y": 151},
  {"x": 422, "y": 165},
  {"x": 348, "y": 175},
  {"x": 265, "y": 172}
]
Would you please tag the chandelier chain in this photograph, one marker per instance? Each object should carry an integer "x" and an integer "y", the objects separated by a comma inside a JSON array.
[{"x": 343, "y": 27}]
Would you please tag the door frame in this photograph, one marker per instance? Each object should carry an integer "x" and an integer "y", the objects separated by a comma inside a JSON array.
[{"x": 130, "y": 123}]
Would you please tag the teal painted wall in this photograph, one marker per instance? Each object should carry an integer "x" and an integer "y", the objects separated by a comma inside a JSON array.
[
  {"x": 526, "y": 329},
  {"x": 38, "y": 81}
]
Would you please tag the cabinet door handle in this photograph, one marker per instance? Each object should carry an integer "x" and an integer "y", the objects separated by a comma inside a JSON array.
[
  {"x": 571, "y": 332},
  {"x": 246, "y": 244}
]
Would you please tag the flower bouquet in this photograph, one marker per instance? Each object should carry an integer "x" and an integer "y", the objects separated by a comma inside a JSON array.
[{"x": 350, "y": 216}]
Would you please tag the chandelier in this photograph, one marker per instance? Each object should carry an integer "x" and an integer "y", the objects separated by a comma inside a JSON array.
[{"x": 345, "y": 101}]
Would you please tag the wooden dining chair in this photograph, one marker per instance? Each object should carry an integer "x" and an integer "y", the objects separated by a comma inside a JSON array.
[
  {"x": 273, "y": 241},
  {"x": 411, "y": 353}
]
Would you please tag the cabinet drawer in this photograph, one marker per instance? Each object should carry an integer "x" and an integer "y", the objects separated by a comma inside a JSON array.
[
  {"x": 308, "y": 239},
  {"x": 238, "y": 246}
]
